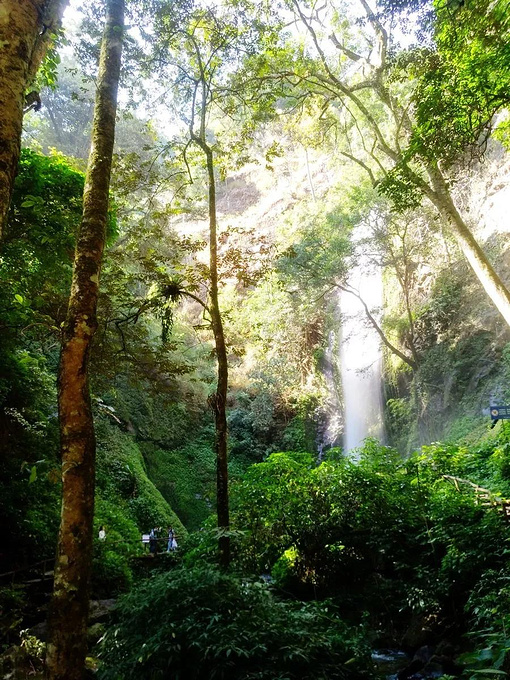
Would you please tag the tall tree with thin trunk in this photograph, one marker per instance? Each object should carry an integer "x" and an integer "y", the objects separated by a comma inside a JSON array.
[
  {"x": 219, "y": 399},
  {"x": 69, "y": 607},
  {"x": 26, "y": 31},
  {"x": 204, "y": 60},
  {"x": 198, "y": 52}
]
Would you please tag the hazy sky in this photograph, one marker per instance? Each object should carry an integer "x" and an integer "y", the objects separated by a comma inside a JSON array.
[{"x": 72, "y": 15}]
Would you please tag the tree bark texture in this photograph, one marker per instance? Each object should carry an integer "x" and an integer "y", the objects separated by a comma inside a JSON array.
[
  {"x": 26, "y": 29},
  {"x": 220, "y": 398},
  {"x": 69, "y": 608},
  {"x": 477, "y": 259}
]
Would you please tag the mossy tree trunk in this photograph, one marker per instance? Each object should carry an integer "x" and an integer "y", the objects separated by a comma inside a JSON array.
[
  {"x": 26, "y": 29},
  {"x": 69, "y": 607},
  {"x": 474, "y": 254}
]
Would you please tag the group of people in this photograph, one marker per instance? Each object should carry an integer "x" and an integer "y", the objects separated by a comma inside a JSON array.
[
  {"x": 155, "y": 535},
  {"x": 154, "y": 538}
]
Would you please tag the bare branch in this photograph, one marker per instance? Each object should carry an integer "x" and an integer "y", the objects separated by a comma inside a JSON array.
[
  {"x": 381, "y": 37},
  {"x": 362, "y": 165},
  {"x": 348, "y": 289},
  {"x": 348, "y": 53}
]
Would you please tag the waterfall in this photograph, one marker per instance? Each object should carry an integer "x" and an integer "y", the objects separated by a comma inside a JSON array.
[
  {"x": 330, "y": 428},
  {"x": 360, "y": 357}
]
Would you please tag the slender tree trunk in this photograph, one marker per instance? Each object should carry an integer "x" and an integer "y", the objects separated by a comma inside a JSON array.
[
  {"x": 484, "y": 271},
  {"x": 404, "y": 281},
  {"x": 69, "y": 608},
  {"x": 220, "y": 398},
  {"x": 405, "y": 284},
  {"x": 26, "y": 27}
]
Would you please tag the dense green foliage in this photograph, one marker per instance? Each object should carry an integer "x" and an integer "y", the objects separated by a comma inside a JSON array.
[
  {"x": 396, "y": 541},
  {"x": 35, "y": 270},
  {"x": 200, "y": 624},
  {"x": 323, "y": 139},
  {"x": 393, "y": 544},
  {"x": 382, "y": 534},
  {"x": 467, "y": 83}
]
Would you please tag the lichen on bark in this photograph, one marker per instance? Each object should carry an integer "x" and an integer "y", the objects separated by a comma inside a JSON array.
[{"x": 69, "y": 608}]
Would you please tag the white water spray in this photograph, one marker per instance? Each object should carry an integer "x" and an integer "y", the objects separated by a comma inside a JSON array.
[
  {"x": 360, "y": 356},
  {"x": 331, "y": 427}
]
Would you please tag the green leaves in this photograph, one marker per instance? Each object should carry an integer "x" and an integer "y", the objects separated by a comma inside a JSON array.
[
  {"x": 36, "y": 202},
  {"x": 202, "y": 623},
  {"x": 468, "y": 82},
  {"x": 36, "y": 267},
  {"x": 33, "y": 475},
  {"x": 378, "y": 528},
  {"x": 400, "y": 187},
  {"x": 47, "y": 75}
]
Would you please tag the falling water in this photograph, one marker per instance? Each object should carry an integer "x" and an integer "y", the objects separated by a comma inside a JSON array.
[
  {"x": 360, "y": 356},
  {"x": 330, "y": 428}
]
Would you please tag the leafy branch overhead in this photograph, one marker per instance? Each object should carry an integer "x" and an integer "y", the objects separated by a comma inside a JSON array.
[{"x": 380, "y": 124}]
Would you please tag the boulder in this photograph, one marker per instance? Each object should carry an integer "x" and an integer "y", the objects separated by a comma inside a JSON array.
[{"x": 100, "y": 610}]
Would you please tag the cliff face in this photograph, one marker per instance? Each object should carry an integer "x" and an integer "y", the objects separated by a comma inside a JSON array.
[
  {"x": 485, "y": 196},
  {"x": 484, "y": 192},
  {"x": 461, "y": 338}
]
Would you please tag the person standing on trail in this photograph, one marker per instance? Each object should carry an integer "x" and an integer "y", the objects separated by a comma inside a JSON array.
[
  {"x": 102, "y": 533},
  {"x": 170, "y": 538},
  {"x": 153, "y": 542}
]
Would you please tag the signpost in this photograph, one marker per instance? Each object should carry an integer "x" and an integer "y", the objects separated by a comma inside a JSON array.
[{"x": 499, "y": 413}]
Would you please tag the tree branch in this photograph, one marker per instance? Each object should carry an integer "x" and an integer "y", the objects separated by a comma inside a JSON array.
[
  {"x": 348, "y": 289},
  {"x": 348, "y": 53}
]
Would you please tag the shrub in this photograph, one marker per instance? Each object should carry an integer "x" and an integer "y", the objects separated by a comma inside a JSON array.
[
  {"x": 12, "y": 605},
  {"x": 112, "y": 574},
  {"x": 198, "y": 624}
]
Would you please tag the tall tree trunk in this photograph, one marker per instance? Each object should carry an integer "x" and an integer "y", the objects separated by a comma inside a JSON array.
[
  {"x": 69, "y": 607},
  {"x": 220, "y": 398},
  {"x": 484, "y": 271},
  {"x": 26, "y": 29}
]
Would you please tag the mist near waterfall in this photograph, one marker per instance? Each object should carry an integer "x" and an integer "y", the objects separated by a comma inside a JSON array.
[
  {"x": 361, "y": 357},
  {"x": 331, "y": 428}
]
